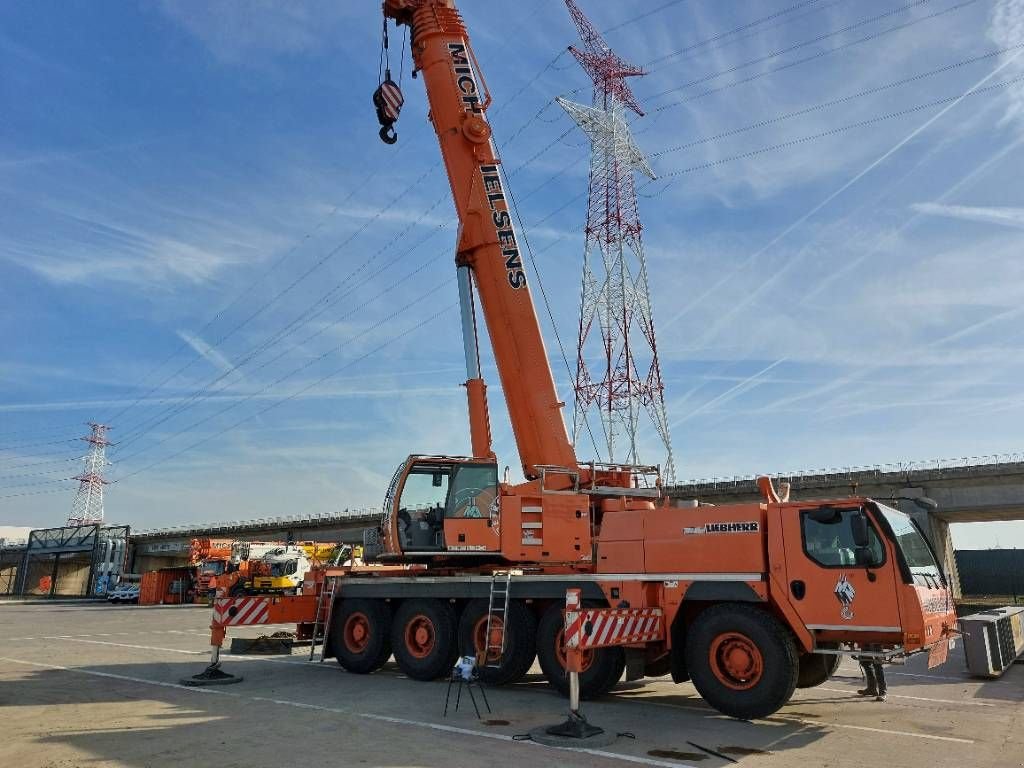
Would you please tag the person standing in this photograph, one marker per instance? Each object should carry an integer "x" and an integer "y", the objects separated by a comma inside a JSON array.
[{"x": 873, "y": 675}]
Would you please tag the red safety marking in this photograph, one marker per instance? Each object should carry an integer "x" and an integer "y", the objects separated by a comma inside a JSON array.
[
  {"x": 392, "y": 97},
  {"x": 246, "y": 610},
  {"x": 607, "y": 627}
]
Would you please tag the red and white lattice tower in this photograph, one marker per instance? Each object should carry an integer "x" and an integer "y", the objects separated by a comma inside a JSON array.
[
  {"x": 87, "y": 508},
  {"x": 617, "y": 369}
]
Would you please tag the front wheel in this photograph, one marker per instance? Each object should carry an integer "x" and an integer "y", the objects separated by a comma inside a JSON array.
[
  {"x": 742, "y": 660},
  {"x": 602, "y": 668}
]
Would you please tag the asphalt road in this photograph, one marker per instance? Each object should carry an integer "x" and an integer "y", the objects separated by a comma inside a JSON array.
[{"x": 98, "y": 686}]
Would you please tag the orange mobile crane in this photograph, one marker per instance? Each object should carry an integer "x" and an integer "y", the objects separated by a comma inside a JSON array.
[{"x": 748, "y": 601}]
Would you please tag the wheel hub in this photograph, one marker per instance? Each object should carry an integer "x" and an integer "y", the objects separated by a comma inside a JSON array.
[
  {"x": 736, "y": 661},
  {"x": 357, "y": 632},
  {"x": 419, "y": 636}
]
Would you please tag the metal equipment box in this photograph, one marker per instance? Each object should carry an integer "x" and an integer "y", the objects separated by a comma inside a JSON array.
[{"x": 993, "y": 640}]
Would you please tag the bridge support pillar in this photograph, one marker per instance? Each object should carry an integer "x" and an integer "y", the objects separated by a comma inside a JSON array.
[{"x": 937, "y": 531}]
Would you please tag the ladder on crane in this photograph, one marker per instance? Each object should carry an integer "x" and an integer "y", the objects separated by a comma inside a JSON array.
[
  {"x": 322, "y": 622},
  {"x": 497, "y": 608}
]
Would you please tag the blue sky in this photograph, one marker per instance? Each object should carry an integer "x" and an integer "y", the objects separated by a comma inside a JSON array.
[{"x": 197, "y": 221}]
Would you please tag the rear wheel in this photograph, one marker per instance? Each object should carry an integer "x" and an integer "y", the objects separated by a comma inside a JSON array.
[
  {"x": 423, "y": 638},
  {"x": 361, "y": 635},
  {"x": 816, "y": 668},
  {"x": 602, "y": 668},
  {"x": 741, "y": 660},
  {"x": 520, "y": 641}
]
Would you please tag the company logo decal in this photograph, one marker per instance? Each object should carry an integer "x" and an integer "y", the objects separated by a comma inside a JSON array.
[
  {"x": 749, "y": 527},
  {"x": 845, "y": 593}
]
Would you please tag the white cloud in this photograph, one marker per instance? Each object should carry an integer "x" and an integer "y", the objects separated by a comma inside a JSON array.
[
  {"x": 204, "y": 350},
  {"x": 233, "y": 30},
  {"x": 1008, "y": 217}
]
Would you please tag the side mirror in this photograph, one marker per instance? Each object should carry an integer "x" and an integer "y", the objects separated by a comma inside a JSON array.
[
  {"x": 437, "y": 480},
  {"x": 859, "y": 529}
]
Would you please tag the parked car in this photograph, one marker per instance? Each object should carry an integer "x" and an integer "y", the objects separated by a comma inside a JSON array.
[{"x": 124, "y": 593}]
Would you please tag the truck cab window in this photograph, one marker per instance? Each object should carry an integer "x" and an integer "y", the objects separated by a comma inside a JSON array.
[
  {"x": 473, "y": 491},
  {"x": 829, "y": 540},
  {"x": 422, "y": 505}
]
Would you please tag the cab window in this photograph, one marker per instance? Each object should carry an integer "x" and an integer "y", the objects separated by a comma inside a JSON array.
[
  {"x": 425, "y": 488},
  {"x": 830, "y": 538},
  {"x": 473, "y": 491}
]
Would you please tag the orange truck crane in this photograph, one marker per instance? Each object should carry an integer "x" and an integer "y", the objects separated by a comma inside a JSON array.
[
  {"x": 747, "y": 601},
  {"x": 211, "y": 558}
]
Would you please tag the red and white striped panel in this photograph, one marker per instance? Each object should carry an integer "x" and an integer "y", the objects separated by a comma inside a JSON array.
[
  {"x": 393, "y": 98},
  {"x": 239, "y": 611},
  {"x": 600, "y": 628}
]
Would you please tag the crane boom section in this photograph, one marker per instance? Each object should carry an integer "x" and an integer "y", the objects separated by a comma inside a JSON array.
[{"x": 487, "y": 241}]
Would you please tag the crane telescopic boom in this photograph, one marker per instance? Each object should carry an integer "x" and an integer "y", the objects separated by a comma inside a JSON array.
[{"x": 488, "y": 253}]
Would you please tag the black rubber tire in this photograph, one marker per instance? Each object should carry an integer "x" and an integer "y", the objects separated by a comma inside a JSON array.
[
  {"x": 444, "y": 651},
  {"x": 600, "y": 677},
  {"x": 378, "y": 647},
  {"x": 520, "y": 641},
  {"x": 816, "y": 668},
  {"x": 771, "y": 639}
]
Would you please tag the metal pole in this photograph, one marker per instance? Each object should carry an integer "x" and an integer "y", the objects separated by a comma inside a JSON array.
[{"x": 574, "y": 692}]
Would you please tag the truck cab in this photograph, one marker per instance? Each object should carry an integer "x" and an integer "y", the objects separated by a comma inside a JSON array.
[
  {"x": 283, "y": 570},
  {"x": 839, "y": 564}
]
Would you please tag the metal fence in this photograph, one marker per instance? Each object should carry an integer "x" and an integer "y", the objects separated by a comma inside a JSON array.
[{"x": 991, "y": 571}]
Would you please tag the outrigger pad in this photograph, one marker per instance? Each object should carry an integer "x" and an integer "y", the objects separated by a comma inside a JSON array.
[
  {"x": 574, "y": 732},
  {"x": 212, "y": 675}
]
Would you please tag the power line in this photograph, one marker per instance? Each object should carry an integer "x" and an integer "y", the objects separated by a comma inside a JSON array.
[
  {"x": 813, "y": 57},
  {"x": 789, "y": 49},
  {"x": 303, "y": 390},
  {"x": 247, "y": 292},
  {"x": 294, "y": 371},
  {"x": 264, "y": 306},
  {"x": 38, "y": 463},
  {"x": 835, "y": 102},
  {"x": 745, "y": 27},
  {"x": 308, "y": 338},
  {"x": 359, "y": 188},
  {"x": 34, "y": 445},
  {"x": 842, "y": 128},
  {"x": 33, "y": 493},
  {"x": 644, "y": 15},
  {"x": 308, "y": 315},
  {"x": 40, "y": 430}
]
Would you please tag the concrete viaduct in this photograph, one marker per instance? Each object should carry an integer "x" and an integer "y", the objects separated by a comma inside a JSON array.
[{"x": 978, "y": 489}]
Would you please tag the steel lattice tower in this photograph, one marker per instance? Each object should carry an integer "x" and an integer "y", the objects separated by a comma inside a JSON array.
[
  {"x": 617, "y": 369},
  {"x": 87, "y": 508}
]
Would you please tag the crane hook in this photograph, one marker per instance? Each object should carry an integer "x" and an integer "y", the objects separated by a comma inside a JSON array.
[{"x": 388, "y": 101}]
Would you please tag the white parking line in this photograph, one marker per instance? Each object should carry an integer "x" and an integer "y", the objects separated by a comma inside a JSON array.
[
  {"x": 915, "y": 698},
  {"x": 782, "y": 717},
  {"x": 204, "y": 631},
  {"x": 349, "y": 713}
]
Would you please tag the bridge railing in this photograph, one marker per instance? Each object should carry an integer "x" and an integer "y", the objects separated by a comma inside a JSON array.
[
  {"x": 284, "y": 521},
  {"x": 859, "y": 473}
]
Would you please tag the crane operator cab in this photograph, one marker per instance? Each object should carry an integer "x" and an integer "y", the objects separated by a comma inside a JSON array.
[{"x": 440, "y": 505}]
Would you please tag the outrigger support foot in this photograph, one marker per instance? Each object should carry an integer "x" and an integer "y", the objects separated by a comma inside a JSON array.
[{"x": 213, "y": 675}]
